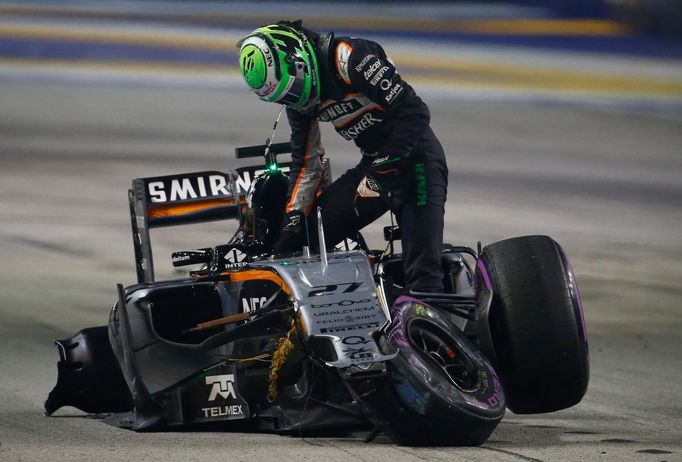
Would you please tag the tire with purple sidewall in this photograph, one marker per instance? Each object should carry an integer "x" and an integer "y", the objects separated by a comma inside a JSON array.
[
  {"x": 416, "y": 403},
  {"x": 535, "y": 325}
]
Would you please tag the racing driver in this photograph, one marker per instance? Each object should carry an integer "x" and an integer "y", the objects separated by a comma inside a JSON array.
[{"x": 351, "y": 83}]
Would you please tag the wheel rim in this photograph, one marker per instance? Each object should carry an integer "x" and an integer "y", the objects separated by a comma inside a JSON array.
[{"x": 442, "y": 351}]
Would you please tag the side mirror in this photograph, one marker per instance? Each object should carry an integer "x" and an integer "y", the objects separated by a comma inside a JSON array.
[{"x": 192, "y": 257}]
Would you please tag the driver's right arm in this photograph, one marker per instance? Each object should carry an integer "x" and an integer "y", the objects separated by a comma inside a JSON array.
[
  {"x": 305, "y": 179},
  {"x": 306, "y": 156}
]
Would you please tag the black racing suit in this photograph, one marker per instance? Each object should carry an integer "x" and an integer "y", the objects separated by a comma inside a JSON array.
[{"x": 368, "y": 102}]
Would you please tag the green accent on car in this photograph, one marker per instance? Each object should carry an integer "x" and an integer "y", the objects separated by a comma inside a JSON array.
[
  {"x": 252, "y": 66},
  {"x": 421, "y": 183}
]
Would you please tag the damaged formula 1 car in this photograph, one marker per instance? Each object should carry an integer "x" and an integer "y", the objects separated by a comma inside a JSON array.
[{"x": 323, "y": 342}]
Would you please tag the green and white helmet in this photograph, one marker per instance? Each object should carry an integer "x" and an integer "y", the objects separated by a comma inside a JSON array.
[{"x": 278, "y": 62}]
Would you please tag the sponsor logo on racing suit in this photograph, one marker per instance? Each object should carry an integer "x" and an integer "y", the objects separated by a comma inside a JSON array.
[
  {"x": 372, "y": 69},
  {"x": 378, "y": 75},
  {"x": 339, "y": 109},
  {"x": 395, "y": 91},
  {"x": 343, "y": 51},
  {"x": 364, "y": 61},
  {"x": 360, "y": 126}
]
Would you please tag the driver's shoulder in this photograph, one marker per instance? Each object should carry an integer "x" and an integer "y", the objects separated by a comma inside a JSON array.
[{"x": 352, "y": 53}]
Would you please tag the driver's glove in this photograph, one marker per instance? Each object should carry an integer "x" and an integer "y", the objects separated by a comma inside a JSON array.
[
  {"x": 292, "y": 236},
  {"x": 382, "y": 174}
]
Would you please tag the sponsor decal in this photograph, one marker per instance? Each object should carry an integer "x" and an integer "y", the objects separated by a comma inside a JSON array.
[
  {"x": 385, "y": 84},
  {"x": 179, "y": 258},
  {"x": 395, "y": 91},
  {"x": 200, "y": 185},
  {"x": 372, "y": 184},
  {"x": 369, "y": 325},
  {"x": 235, "y": 257},
  {"x": 343, "y": 51},
  {"x": 314, "y": 258},
  {"x": 355, "y": 340},
  {"x": 294, "y": 220},
  {"x": 368, "y": 187},
  {"x": 339, "y": 109},
  {"x": 364, "y": 61},
  {"x": 221, "y": 411},
  {"x": 378, "y": 161},
  {"x": 358, "y": 353},
  {"x": 420, "y": 310},
  {"x": 267, "y": 55},
  {"x": 368, "y": 120},
  {"x": 378, "y": 75},
  {"x": 346, "y": 319},
  {"x": 496, "y": 398},
  {"x": 253, "y": 303},
  {"x": 344, "y": 311},
  {"x": 329, "y": 289},
  {"x": 266, "y": 90},
  {"x": 372, "y": 69},
  {"x": 347, "y": 244},
  {"x": 221, "y": 385},
  {"x": 194, "y": 187},
  {"x": 342, "y": 303},
  {"x": 255, "y": 293},
  {"x": 214, "y": 397}
]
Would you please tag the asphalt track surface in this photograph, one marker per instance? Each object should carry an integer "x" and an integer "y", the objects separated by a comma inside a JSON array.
[{"x": 603, "y": 181}]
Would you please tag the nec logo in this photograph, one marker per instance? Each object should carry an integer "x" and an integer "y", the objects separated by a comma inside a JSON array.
[
  {"x": 253, "y": 303},
  {"x": 223, "y": 385}
]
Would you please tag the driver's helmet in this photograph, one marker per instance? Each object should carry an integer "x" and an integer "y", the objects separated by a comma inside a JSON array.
[{"x": 278, "y": 62}]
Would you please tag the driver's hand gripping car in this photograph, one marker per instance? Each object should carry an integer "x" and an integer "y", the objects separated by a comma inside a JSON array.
[{"x": 351, "y": 83}]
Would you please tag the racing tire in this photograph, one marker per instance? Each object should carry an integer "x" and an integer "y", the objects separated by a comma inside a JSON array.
[
  {"x": 439, "y": 390},
  {"x": 535, "y": 326}
]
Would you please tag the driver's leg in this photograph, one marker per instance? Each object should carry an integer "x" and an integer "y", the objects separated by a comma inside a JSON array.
[
  {"x": 343, "y": 216},
  {"x": 420, "y": 211}
]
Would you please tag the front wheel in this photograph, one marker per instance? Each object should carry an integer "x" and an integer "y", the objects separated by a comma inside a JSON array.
[
  {"x": 439, "y": 390},
  {"x": 534, "y": 328}
]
